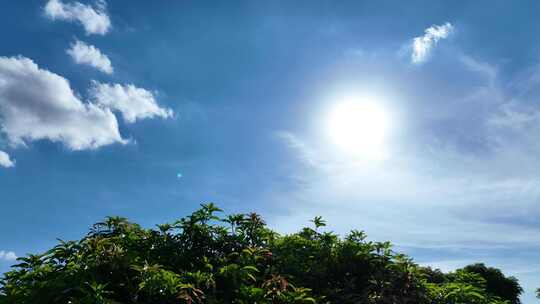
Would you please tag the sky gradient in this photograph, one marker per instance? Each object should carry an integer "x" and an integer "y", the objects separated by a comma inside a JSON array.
[{"x": 147, "y": 110}]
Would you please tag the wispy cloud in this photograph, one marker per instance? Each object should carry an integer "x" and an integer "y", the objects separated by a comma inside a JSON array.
[
  {"x": 489, "y": 71},
  {"x": 94, "y": 19},
  {"x": 5, "y": 160},
  {"x": 306, "y": 153},
  {"x": 8, "y": 256},
  {"x": 423, "y": 45},
  {"x": 86, "y": 54}
]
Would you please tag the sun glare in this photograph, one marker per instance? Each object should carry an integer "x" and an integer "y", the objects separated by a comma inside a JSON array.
[{"x": 359, "y": 127}]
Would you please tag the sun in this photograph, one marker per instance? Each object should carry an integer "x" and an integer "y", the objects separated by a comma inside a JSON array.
[{"x": 359, "y": 127}]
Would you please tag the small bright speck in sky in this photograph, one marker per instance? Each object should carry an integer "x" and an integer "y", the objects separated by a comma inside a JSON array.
[
  {"x": 359, "y": 126},
  {"x": 179, "y": 175}
]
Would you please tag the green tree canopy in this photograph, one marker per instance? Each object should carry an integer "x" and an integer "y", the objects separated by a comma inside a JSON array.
[
  {"x": 497, "y": 283},
  {"x": 207, "y": 258}
]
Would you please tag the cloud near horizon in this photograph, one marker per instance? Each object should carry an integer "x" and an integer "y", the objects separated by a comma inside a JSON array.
[
  {"x": 89, "y": 55},
  {"x": 423, "y": 45},
  {"x": 94, "y": 19},
  {"x": 7, "y": 256}
]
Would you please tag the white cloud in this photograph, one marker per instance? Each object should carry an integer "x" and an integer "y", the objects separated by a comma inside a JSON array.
[
  {"x": 5, "y": 160},
  {"x": 422, "y": 45},
  {"x": 95, "y": 20},
  {"x": 37, "y": 104},
  {"x": 7, "y": 255},
  {"x": 132, "y": 102},
  {"x": 83, "y": 53}
]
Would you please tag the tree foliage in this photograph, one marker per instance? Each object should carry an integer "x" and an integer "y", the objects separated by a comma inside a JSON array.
[
  {"x": 506, "y": 288},
  {"x": 204, "y": 258}
]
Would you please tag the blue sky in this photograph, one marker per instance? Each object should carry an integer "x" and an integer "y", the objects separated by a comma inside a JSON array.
[{"x": 102, "y": 104}]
